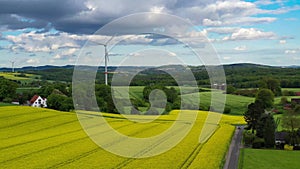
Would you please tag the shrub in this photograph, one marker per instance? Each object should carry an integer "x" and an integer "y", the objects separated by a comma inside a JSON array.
[
  {"x": 288, "y": 147},
  {"x": 283, "y": 100},
  {"x": 258, "y": 143},
  {"x": 7, "y": 100},
  {"x": 248, "y": 138},
  {"x": 227, "y": 110}
]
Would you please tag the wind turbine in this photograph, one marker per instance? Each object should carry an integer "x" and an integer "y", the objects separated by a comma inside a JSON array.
[
  {"x": 105, "y": 57},
  {"x": 12, "y": 66}
]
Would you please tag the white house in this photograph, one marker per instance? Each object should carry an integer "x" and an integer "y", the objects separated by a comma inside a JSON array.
[{"x": 38, "y": 101}]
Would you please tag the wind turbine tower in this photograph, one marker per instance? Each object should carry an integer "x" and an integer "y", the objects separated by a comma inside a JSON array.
[
  {"x": 105, "y": 58},
  {"x": 12, "y": 66}
]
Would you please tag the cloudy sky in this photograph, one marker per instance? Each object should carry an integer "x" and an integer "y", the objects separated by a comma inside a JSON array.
[{"x": 54, "y": 32}]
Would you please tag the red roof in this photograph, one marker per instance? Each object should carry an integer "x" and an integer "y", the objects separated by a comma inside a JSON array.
[{"x": 33, "y": 99}]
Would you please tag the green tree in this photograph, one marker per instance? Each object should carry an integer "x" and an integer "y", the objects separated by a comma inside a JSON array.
[
  {"x": 253, "y": 114},
  {"x": 7, "y": 89},
  {"x": 272, "y": 84},
  {"x": 60, "y": 102},
  {"x": 104, "y": 98},
  {"x": 291, "y": 122},
  {"x": 266, "y": 129},
  {"x": 265, "y": 97},
  {"x": 230, "y": 89}
]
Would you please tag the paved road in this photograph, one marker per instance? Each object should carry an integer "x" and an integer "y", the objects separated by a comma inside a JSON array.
[{"x": 232, "y": 158}]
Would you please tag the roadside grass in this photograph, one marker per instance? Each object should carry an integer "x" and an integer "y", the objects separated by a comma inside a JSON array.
[{"x": 269, "y": 159}]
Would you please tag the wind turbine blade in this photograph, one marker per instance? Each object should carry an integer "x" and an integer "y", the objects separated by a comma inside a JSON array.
[{"x": 109, "y": 40}]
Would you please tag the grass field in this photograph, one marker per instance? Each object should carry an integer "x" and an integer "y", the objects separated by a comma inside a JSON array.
[
  {"x": 238, "y": 104},
  {"x": 265, "y": 159},
  {"x": 291, "y": 89},
  {"x": 5, "y": 104},
  {"x": 43, "y": 138}
]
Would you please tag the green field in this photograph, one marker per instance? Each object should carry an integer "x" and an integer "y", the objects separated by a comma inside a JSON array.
[
  {"x": 238, "y": 104},
  {"x": 265, "y": 159},
  {"x": 25, "y": 89},
  {"x": 43, "y": 138},
  {"x": 291, "y": 89},
  {"x": 5, "y": 104}
]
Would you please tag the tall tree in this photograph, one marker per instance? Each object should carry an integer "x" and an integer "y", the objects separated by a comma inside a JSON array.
[
  {"x": 253, "y": 114},
  {"x": 272, "y": 84},
  {"x": 266, "y": 129},
  {"x": 265, "y": 97},
  {"x": 291, "y": 122}
]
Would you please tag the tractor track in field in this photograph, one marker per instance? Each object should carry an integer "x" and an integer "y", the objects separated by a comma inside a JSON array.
[
  {"x": 128, "y": 161},
  {"x": 48, "y": 148},
  {"x": 45, "y": 138},
  {"x": 29, "y": 121},
  {"x": 46, "y": 128},
  {"x": 98, "y": 149},
  {"x": 21, "y": 114},
  {"x": 42, "y": 129},
  {"x": 189, "y": 160}
]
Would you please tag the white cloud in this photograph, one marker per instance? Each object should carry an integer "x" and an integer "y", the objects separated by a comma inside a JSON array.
[
  {"x": 282, "y": 41},
  {"x": 41, "y": 42},
  {"x": 238, "y": 21},
  {"x": 172, "y": 54},
  {"x": 222, "y": 30},
  {"x": 33, "y": 61},
  {"x": 157, "y": 9},
  {"x": 240, "y": 48},
  {"x": 290, "y": 51},
  {"x": 250, "y": 34}
]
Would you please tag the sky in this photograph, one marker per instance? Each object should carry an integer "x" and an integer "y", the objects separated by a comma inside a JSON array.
[{"x": 55, "y": 32}]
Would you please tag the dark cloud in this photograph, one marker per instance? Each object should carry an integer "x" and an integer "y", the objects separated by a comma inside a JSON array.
[
  {"x": 19, "y": 14},
  {"x": 42, "y": 9},
  {"x": 87, "y": 16}
]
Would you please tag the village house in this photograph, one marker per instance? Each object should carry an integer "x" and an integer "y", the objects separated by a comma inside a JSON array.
[{"x": 38, "y": 101}]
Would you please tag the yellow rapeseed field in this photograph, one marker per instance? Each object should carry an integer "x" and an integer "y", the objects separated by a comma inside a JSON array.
[{"x": 44, "y": 138}]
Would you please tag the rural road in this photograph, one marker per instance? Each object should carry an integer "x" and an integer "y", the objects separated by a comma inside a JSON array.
[{"x": 232, "y": 158}]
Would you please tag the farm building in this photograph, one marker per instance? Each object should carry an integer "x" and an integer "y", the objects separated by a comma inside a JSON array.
[{"x": 38, "y": 101}]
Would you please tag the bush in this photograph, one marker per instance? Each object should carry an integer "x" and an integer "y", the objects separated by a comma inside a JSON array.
[
  {"x": 203, "y": 107},
  {"x": 288, "y": 147},
  {"x": 246, "y": 92},
  {"x": 283, "y": 100},
  {"x": 258, "y": 143},
  {"x": 7, "y": 100},
  {"x": 227, "y": 110},
  {"x": 248, "y": 138}
]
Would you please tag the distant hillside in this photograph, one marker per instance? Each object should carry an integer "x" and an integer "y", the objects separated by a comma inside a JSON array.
[{"x": 242, "y": 75}]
